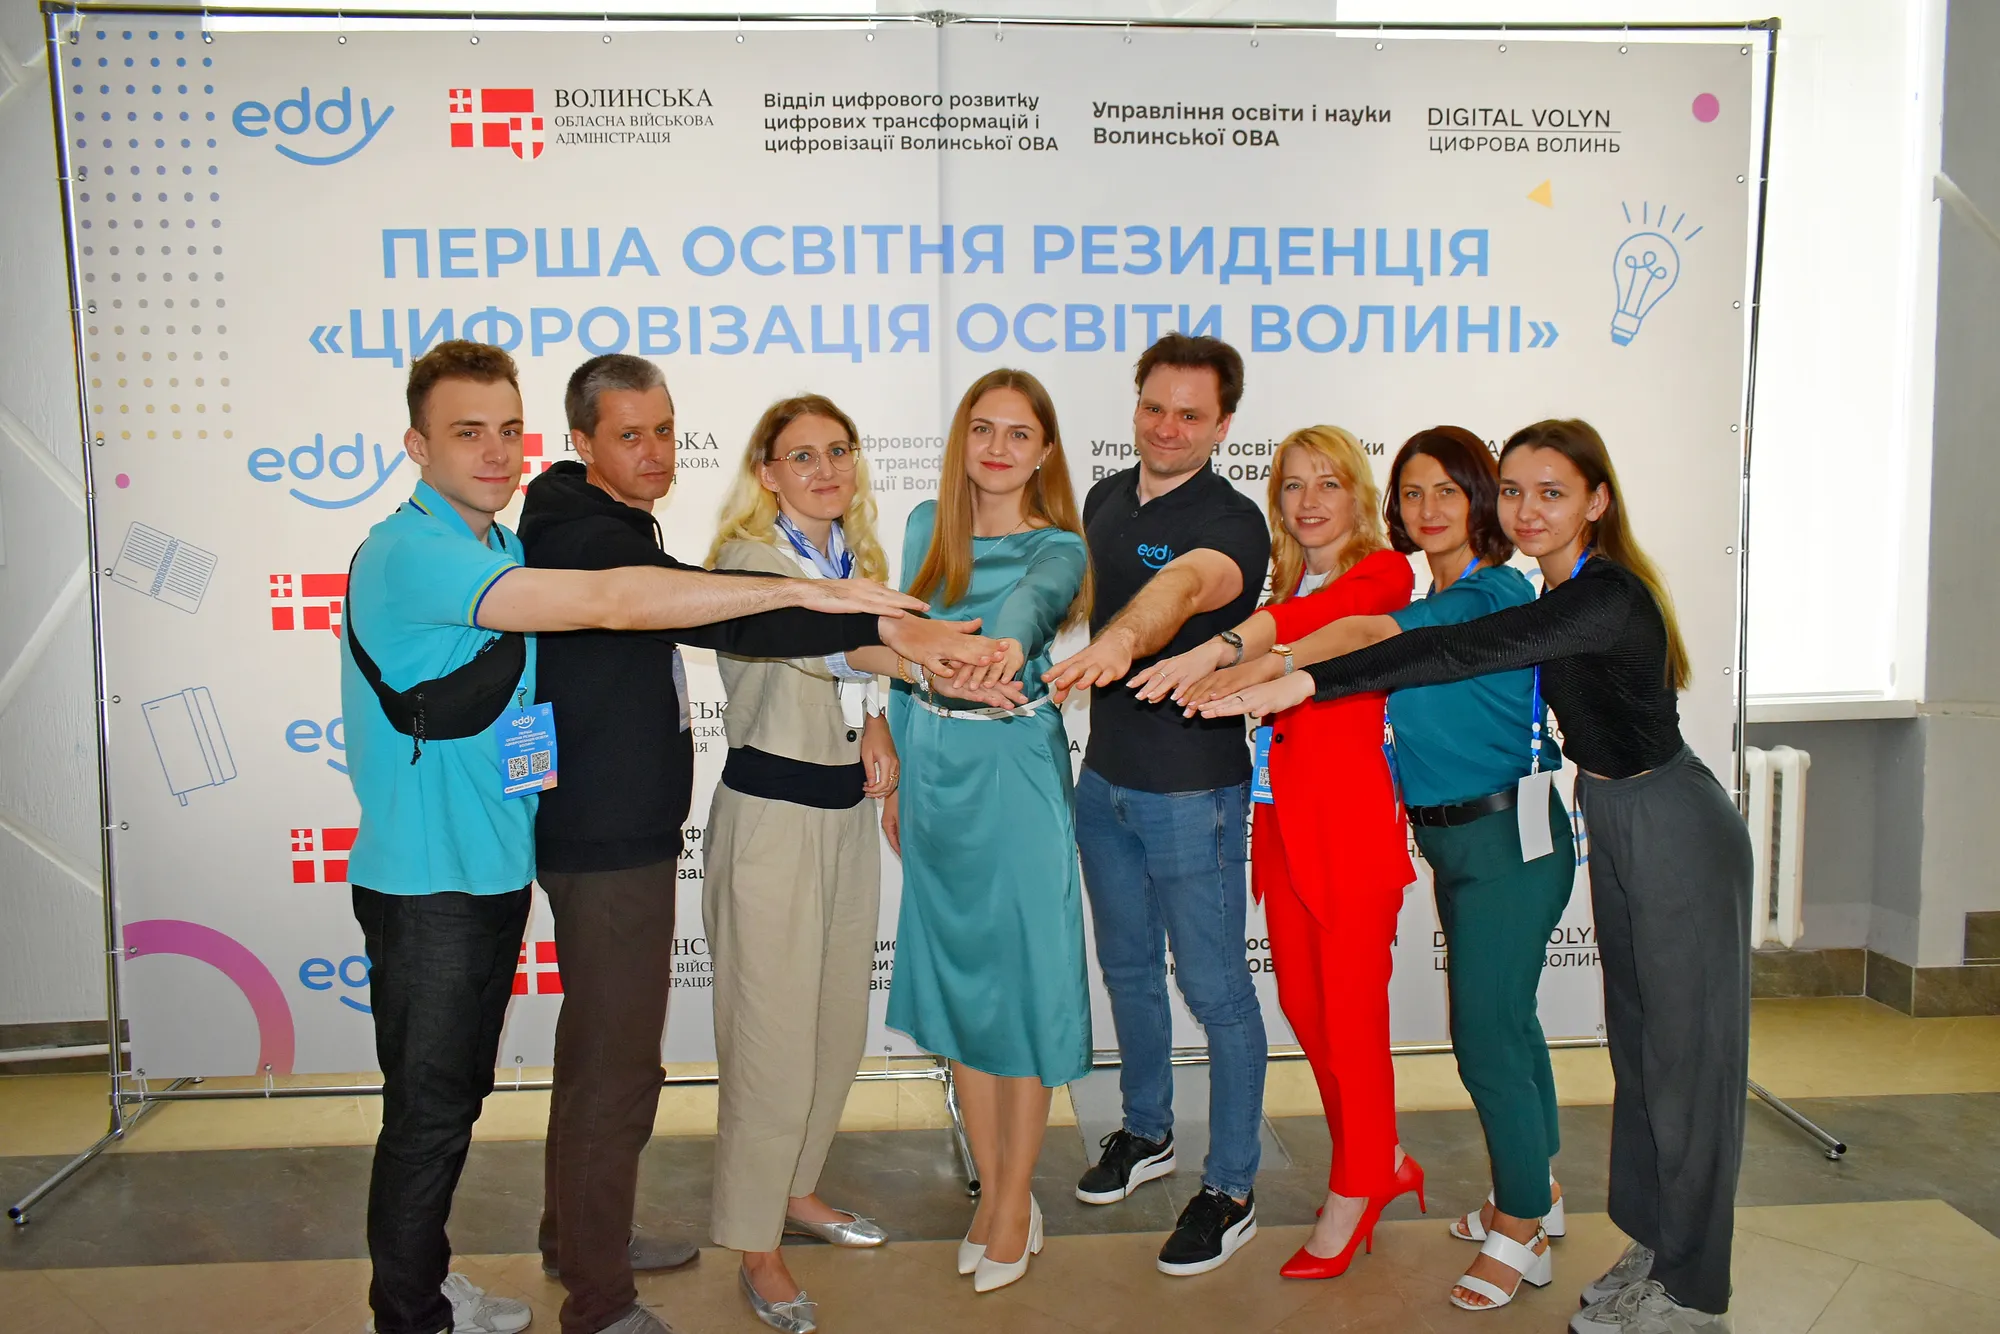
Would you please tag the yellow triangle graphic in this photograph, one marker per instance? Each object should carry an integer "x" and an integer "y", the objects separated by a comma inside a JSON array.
[{"x": 1543, "y": 195}]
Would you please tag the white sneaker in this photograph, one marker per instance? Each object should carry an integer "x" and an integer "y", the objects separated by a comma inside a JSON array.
[
  {"x": 1645, "y": 1308},
  {"x": 473, "y": 1311}
]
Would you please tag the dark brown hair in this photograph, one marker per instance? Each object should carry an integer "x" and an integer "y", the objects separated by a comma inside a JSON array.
[
  {"x": 1467, "y": 461},
  {"x": 1579, "y": 442},
  {"x": 1193, "y": 352},
  {"x": 456, "y": 359}
]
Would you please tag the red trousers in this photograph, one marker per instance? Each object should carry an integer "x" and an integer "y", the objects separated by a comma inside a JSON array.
[{"x": 1332, "y": 961}]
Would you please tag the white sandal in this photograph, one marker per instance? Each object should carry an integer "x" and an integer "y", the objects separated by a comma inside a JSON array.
[
  {"x": 1469, "y": 1228},
  {"x": 1534, "y": 1268}
]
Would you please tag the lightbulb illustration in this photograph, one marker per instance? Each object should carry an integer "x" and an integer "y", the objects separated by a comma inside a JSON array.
[{"x": 1644, "y": 270}]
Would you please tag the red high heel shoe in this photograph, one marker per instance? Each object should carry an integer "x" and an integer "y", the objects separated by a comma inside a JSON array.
[
  {"x": 1305, "y": 1265},
  {"x": 1409, "y": 1177}
]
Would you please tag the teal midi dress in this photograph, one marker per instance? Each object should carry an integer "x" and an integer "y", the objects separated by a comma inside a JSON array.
[{"x": 989, "y": 944}]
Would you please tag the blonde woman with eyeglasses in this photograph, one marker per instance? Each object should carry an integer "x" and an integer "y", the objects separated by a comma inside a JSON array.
[{"x": 793, "y": 860}]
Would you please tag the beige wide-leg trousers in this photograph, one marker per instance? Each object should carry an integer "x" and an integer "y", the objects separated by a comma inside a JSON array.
[{"x": 790, "y": 901}]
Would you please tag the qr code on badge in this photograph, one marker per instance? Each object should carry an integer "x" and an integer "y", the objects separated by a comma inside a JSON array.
[
  {"x": 517, "y": 766},
  {"x": 539, "y": 762}
]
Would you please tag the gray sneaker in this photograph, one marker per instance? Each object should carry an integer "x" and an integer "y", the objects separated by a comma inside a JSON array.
[
  {"x": 1645, "y": 1308},
  {"x": 638, "y": 1320},
  {"x": 649, "y": 1255},
  {"x": 1635, "y": 1264}
]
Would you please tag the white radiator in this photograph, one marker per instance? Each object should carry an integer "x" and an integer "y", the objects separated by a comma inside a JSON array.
[{"x": 1777, "y": 840}]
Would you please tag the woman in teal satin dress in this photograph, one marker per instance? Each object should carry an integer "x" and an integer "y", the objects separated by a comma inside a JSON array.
[{"x": 989, "y": 951}]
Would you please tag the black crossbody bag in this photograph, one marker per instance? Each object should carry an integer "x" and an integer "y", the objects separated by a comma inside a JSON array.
[{"x": 463, "y": 702}]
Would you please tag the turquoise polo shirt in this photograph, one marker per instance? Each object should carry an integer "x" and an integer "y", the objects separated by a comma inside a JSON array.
[
  {"x": 439, "y": 824},
  {"x": 1466, "y": 739}
]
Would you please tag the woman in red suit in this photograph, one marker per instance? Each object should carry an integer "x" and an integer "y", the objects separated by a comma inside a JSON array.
[{"x": 1329, "y": 852}]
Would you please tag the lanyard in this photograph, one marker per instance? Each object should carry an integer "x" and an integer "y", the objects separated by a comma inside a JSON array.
[
  {"x": 1535, "y": 708},
  {"x": 1462, "y": 576},
  {"x": 837, "y": 562}
]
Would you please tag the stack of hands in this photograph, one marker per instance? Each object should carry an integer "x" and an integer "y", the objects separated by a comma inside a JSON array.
[
  {"x": 981, "y": 670},
  {"x": 986, "y": 671}
]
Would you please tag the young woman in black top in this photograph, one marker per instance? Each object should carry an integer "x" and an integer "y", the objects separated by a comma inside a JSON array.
[{"x": 1670, "y": 866}]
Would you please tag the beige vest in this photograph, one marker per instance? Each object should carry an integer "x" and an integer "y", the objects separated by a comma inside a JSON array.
[{"x": 782, "y": 706}]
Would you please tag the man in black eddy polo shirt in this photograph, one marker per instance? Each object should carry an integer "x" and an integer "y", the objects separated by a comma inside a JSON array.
[{"x": 1179, "y": 555}]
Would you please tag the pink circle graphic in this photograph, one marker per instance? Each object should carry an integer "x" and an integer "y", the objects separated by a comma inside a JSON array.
[
  {"x": 1707, "y": 108},
  {"x": 122, "y": 480},
  {"x": 276, "y": 1041}
]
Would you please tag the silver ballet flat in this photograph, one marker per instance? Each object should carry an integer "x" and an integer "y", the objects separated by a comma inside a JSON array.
[
  {"x": 857, "y": 1231},
  {"x": 794, "y": 1316}
]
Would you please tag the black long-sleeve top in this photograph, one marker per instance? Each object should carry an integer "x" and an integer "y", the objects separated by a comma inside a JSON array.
[
  {"x": 627, "y": 767},
  {"x": 1602, "y": 647}
]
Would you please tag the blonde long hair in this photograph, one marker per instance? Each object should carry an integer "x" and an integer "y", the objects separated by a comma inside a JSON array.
[
  {"x": 1578, "y": 441},
  {"x": 1350, "y": 464},
  {"x": 947, "y": 566},
  {"x": 751, "y": 509}
]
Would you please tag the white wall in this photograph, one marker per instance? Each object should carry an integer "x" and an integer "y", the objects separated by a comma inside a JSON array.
[
  {"x": 1840, "y": 494},
  {"x": 51, "y": 951}
]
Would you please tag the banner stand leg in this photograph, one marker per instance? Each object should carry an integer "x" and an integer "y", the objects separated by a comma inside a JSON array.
[
  {"x": 1835, "y": 1149},
  {"x": 965, "y": 1161},
  {"x": 122, "y": 1125}
]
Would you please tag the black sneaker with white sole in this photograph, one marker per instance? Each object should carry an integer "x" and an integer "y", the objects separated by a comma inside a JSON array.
[
  {"x": 1212, "y": 1228},
  {"x": 1127, "y": 1163}
]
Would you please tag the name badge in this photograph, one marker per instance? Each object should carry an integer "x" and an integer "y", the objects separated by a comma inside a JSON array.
[
  {"x": 527, "y": 740},
  {"x": 1260, "y": 776},
  {"x": 1531, "y": 812}
]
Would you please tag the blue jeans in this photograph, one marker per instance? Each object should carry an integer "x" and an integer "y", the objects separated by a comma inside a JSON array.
[{"x": 1168, "y": 867}]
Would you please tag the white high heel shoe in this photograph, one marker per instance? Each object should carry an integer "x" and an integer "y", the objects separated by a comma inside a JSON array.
[
  {"x": 969, "y": 1255},
  {"x": 1534, "y": 1268},
  {"x": 1469, "y": 1228},
  {"x": 989, "y": 1274}
]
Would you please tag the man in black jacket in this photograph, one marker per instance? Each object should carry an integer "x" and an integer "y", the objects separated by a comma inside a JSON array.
[{"x": 608, "y": 838}]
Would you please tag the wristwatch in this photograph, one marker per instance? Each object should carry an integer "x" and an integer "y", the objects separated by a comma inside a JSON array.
[
  {"x": 1284, "y": 651},
  {"x": 1235, "y": 641}
]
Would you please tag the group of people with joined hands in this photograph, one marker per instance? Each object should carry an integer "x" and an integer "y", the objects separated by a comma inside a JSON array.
[{"x": 1164, "y": 563}]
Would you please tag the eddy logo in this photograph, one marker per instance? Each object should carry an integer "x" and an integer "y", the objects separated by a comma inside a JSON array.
[
  {"x": 343, "y": 463},
  {"x": 333, "y": 118},
  {"x": 1155, "y": 558}
]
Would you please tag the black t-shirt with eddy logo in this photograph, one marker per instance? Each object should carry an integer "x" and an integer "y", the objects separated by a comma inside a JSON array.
[{"x": 1151, "y": 746}]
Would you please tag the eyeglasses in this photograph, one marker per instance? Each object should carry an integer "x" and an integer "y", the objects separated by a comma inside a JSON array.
[{"x": 805, "y": 462}]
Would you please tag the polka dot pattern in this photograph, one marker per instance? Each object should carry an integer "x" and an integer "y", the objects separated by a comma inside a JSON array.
[{"x": 152, "y": 235}]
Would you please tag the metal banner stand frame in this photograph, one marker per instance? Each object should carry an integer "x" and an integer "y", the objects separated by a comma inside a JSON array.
[{"x": 132, "y": 1099}]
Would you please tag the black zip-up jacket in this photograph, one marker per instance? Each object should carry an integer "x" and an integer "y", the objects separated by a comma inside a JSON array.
[{"x": 627, "y": 770}]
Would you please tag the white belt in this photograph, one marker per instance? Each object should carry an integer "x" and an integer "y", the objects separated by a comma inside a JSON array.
[{"x": 983, "y": 715}]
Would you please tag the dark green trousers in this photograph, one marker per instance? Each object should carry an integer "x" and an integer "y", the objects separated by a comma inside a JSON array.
[{"x": 1497, "y": 912}]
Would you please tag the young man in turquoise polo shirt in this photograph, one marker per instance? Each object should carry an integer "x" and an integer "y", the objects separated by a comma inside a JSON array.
[{"x": 442, "y": 864}]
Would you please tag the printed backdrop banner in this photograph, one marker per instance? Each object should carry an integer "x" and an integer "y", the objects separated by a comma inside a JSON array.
[{"x": 1395, "y": 231}]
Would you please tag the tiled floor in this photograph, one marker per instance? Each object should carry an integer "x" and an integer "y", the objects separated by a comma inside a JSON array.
[
  {"x": 1827, "y": 1269},
  {"x": 246, "y": 1216}
]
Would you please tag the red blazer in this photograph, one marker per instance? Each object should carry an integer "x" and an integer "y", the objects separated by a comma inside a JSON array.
[{"x": 1335, "y": 807}]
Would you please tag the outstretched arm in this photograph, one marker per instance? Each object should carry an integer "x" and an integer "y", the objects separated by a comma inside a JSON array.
[
  {"x": 640, "y": 598},
  {"x": 1201, "y": 581},
  {"x": 1579, "y": 616}
]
